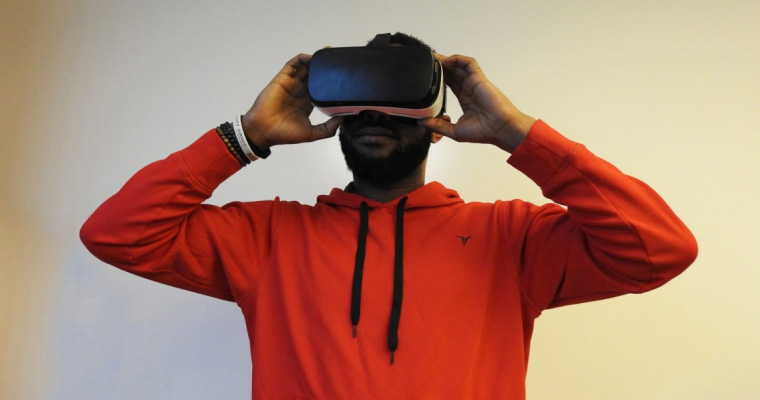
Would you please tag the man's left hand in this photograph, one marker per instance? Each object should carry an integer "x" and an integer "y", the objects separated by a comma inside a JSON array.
[{"x": 488, "y": 115}]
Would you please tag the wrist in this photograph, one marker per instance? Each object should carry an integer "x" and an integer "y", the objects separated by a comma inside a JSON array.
[
  {"x": 254, "y": 135},
  {"x": 239, "y": 144},
  {"x": 250, "y": 147},
  {"x": 227, "y": 133},
  {"x": 514, "y": 133}
]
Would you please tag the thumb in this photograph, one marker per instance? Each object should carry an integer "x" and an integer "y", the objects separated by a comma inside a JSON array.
[
  {"x": 327, "y": 129},
  {"x": 438, "y": 125}
]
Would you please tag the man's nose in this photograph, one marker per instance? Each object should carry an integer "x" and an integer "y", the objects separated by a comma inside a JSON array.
[{"x": 374, "y": 116}]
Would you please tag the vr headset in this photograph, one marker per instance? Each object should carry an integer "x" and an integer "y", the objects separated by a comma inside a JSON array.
[{"x": 403, "y": 81}]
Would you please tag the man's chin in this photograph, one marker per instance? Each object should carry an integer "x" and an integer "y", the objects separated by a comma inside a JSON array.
[
  {"x": 383, "y": 164},
  {"x": 372, "y": 154}
]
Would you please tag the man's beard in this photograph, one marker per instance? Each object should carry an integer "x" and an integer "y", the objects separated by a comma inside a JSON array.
[{"x": 399, "y": 164}]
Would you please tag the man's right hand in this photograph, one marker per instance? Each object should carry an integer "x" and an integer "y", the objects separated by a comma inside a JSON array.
[{"x": 280, "y": 114}]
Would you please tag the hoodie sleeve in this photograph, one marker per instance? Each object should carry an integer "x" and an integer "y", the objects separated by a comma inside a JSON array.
[
  {"x": 157, "y": 227},
  {"x": 615, "y": 236}
]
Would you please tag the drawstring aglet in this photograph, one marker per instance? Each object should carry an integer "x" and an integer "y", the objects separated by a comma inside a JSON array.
[
  {"x": 393, "y": 353},
  {"x": 354, "y": 330}
]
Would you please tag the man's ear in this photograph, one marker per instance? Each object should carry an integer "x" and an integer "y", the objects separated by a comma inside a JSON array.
[{"x": 437, "y": 136}]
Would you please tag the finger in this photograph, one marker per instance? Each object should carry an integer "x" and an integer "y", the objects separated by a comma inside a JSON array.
[
  {"x": 297, "y": 67},
  {"x": 465, "y": 75},
  {"x": 455, "y": 71},
  {"x": 326, "y": 129},
  {"x": 437, "y": 125},
  {"x": 333, "y": 124},
  {"x": 461, "y": 67},
  {"x": 462, "y": 63}
]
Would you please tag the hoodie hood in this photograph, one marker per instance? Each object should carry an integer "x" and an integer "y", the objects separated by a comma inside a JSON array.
[{"x": 430, "y": 195}]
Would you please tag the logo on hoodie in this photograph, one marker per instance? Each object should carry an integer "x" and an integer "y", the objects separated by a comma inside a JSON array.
[{"x": 464, "y": 239}]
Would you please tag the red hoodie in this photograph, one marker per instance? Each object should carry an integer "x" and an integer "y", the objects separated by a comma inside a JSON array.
[{"x": 449, "y": 289}]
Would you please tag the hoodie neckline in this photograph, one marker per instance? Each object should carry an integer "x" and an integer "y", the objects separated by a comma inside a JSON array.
[{"x": 432, "y": 194}]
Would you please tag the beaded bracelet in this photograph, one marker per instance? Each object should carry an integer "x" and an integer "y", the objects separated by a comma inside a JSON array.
[
  {"x": 229, "y": 147},
  {"x": 227, "y": 133}
]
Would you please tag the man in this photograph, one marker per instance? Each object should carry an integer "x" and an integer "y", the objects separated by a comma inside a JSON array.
[{"x": 322, "y": 287}]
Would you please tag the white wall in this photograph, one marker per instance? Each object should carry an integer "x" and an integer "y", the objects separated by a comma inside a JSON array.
[{"x": 93, "y": 90}]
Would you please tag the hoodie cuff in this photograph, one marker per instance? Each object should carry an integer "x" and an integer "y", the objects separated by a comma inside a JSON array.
[
  {"x": 209, "y": 161},
  {"x": 542, "y": 154}
]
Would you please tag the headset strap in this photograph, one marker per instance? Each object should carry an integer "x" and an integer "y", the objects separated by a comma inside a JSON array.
[{"x": 381, "y": 39}]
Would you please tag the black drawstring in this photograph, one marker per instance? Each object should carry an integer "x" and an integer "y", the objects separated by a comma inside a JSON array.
[
  {"x": 356, "y": 289},
  {"x": 398, "y": 274},
  {"x": 398, "y": 280}
]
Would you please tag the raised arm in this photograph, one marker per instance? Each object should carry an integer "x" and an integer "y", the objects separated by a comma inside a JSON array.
[
  {"x": 615, "y": 236},
  {"x": 157, "y": 226}
]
